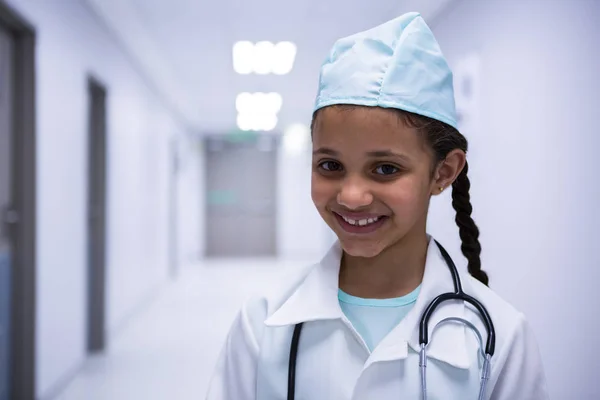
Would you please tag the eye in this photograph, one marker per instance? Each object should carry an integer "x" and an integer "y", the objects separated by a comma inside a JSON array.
[
  {"x": 331, "y": 166},
  {"x": 387, "y": 169}
]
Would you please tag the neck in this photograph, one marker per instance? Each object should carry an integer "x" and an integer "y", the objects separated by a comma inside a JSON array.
[{"x": 395, "y": 272}]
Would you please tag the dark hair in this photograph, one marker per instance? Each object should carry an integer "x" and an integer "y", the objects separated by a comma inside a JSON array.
[{"x": 442, "y": 139}]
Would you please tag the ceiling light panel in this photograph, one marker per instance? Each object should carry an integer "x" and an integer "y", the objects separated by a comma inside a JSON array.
[{"x": 264, "y": 57}]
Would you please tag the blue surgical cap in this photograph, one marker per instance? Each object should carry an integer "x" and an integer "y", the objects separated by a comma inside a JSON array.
[{"x": 398, "y": 64}]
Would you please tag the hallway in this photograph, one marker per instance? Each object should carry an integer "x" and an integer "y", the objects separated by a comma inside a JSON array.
[
  {"x": 168, "y": 350},
  {"x": 141, "y": 139}
]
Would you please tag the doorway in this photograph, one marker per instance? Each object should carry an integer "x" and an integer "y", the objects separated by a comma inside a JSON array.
[
  {"x": 241, "y": 188},
  {"x": 96, "y": 272},
  {"x": 17, "y": 207}
]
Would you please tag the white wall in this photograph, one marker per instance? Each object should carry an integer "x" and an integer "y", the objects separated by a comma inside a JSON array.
[
  {"x": 534, "y": 186},
  {"x": 71, "y": 42}
]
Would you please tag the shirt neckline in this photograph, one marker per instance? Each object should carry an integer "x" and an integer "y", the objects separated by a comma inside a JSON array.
[{"x": 391, "y": 302}]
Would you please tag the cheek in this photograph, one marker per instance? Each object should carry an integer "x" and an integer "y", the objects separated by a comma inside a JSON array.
[
  {"x": 406, "y": 197},
  {"x": 321, "y": 191}
]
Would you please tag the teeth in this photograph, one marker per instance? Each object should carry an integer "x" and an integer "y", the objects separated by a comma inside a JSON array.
[{"x": 361, "y": 222}]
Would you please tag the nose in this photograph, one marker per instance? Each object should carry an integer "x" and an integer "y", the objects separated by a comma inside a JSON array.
[{"x": 354, "y": 194}]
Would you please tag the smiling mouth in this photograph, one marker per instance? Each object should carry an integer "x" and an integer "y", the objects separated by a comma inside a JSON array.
[
  {"x": 360, "y": 226},
  {"x": 360, "y": 222}
]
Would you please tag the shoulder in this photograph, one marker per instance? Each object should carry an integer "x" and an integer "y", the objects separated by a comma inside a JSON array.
[
  {"x": 517, "y": 367},
  {"x": 499, "y": 308},
  {"x": 506, "y": 318},
  {"x": 511, "y": 325}
]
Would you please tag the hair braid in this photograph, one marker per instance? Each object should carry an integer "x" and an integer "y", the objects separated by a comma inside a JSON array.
[{"x": 468, "y": 231}]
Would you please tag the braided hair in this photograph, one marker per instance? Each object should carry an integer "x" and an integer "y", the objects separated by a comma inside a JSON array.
[{"x": 442, "y": 139}]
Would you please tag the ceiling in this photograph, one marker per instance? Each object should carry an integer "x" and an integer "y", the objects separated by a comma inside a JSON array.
[{"x": 185, "y": 47}]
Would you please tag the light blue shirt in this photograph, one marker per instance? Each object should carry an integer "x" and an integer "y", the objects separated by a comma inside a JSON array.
[{"x": 373, "y": 319}]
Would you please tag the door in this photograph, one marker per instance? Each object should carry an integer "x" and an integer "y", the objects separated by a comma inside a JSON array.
[
  {"x": 96, "y": 216},
  {"x": 6, "y": 198},
  {"x": 241, "y": 189},
  {"x": 17, "y": 207}
]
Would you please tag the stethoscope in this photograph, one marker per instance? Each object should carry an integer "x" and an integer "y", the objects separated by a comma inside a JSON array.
[{"x": 458, "y": 294}]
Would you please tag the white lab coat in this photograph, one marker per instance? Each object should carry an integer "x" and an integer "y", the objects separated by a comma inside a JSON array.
[{"x": 335, "y": 364}]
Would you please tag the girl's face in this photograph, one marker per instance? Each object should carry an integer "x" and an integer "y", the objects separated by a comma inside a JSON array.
[{"x": 371, "y": 178}]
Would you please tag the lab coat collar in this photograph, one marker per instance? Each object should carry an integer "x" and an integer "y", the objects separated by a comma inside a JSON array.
[{"x": 316, "y": 298}]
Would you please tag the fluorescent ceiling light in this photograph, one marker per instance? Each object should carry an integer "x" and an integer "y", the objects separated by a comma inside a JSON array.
[
  {"x": 285, "y": 54},
  {"x": 243, "y": 57},
  {"x": 264, "y": 57},
  {"x": 258, "y": 111}
]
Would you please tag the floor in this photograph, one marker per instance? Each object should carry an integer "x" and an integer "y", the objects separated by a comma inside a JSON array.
[{"x": 168, "y": 351}]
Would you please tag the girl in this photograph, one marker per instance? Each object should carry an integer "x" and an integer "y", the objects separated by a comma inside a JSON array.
[{"x": 385, "y": 140}]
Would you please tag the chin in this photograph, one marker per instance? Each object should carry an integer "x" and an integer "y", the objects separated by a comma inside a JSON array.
[{"x": 364, "y": 249}]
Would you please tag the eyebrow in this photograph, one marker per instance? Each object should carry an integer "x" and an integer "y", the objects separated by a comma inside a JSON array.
[
  {"x": 387, "y": 153},
  {"x": 377, "y": 153},
  {"x": 326, "y": 151}
]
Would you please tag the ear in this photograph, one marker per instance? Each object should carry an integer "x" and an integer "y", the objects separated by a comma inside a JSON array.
[{"x": 448, "y": 170}]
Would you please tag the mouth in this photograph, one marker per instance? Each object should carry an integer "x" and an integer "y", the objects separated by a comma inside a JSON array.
[{"x": 362, "y": 225}]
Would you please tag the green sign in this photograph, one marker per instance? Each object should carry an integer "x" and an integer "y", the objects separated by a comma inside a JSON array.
[
  {"x": 221, "y": 197},
  {"x": 238, "y": 136}
]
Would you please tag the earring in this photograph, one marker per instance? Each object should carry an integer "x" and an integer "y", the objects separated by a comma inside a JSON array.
[{"x": 441, "y": 189}]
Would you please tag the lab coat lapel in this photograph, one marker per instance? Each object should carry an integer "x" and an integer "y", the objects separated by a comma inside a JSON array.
[{"x": 316, "y": 298}]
